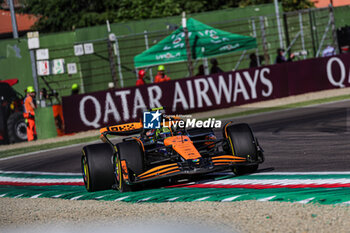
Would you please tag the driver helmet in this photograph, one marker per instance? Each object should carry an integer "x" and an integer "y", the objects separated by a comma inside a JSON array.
[{"x": 163, "y": 133}]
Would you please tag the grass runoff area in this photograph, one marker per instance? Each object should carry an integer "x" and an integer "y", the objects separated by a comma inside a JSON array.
[{"x": 52, "y": 145}]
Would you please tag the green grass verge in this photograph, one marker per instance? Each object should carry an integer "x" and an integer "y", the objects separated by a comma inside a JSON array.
[
  {"x": 52, "y": 145},
  {"x": 46, "y": 146}
]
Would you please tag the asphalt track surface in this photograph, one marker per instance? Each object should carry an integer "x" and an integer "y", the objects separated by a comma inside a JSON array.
[{"x": 298, "y": 140}]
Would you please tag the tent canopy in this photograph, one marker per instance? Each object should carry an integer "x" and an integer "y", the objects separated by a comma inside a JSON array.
[{"x": 205, "y": 41}]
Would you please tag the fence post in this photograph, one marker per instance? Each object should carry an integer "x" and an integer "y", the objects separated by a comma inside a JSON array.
[
  {"x": 315, "y": 30},
  {"x": 187, "y": 41},
  {"x": 323, "y": 38},
  {"x": 240, "y": 60},
  {"x": 111, "y": 62},
  {"x": 302, "y": 32},
  {"x": 81, "y": 78},
  {"x": 257, "y": 48},
  {"x": 34, "y": 71},
  {"x": 13, "y": 19},
  {"x": 312, "y": 32},
  {"x": 206, "y": 66},
  {"x": 263, "y": 36},
  {"x": 147, "y": 47},
  {"x": 278, "y": 23},
  {"x": 286, "y": 31},
  {"x": 334, "y": 31},
  {"x": 119, "y": 62}
]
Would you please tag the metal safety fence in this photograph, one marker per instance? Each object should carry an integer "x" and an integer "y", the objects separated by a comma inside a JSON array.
[{"x": 110, "y": 61}]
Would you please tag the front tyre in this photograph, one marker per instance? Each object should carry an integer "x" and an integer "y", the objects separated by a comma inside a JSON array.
[
  {"x": 132, "y": 153},
  {"x": 242, "y": 143},
  {"x": 97, "y": 167}
]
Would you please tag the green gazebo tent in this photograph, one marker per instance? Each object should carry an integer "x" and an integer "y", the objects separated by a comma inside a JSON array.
[{"x": 205, "y": 41}]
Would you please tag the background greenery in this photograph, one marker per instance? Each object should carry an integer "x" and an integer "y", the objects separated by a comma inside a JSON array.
[{"x": 66, "y": 15}]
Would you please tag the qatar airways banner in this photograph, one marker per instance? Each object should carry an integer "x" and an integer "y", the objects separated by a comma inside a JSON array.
[{"x": 198, "y": 94}]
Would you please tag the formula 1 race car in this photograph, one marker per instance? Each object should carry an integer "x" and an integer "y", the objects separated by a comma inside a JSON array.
[{"x": 170, "y": 152}]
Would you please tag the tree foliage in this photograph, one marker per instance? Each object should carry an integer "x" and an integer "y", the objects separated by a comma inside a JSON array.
[{"x": 65, "y": 15}]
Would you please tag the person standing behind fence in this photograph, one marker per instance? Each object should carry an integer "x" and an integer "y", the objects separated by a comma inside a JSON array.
[
  {"x": 141, "y": 75},
  {"x": 29, "y": 115},
  {"x": 200, "y": 71},
  {"x": 255, "y": 61},
  {"x": 280, "y": 58},
  {"x": 215, "y": 67},
  {"x": 75, "y": 89},
  {"x": 328, "y": 51},
  {"x": 161, "y": 77}
]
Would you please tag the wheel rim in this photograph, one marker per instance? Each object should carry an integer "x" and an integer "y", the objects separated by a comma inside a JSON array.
[
  {"x": 21, "y": 130},
  {"x": 86, "y": 176}
]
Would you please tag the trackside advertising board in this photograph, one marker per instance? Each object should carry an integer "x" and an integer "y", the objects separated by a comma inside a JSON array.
[{"x": 203, "y": 93}]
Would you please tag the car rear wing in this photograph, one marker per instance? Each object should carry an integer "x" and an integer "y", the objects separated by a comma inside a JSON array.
[{"x": 123, "y": 129}]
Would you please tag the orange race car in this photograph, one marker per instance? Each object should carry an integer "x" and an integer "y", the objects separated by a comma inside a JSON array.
[{"x": 170, "y": 152}]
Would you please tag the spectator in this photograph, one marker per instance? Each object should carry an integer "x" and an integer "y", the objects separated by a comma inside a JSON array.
[
  {"x": 43, "y": 96},
  {"x": 215, "y": 67},
  {"x": 75, "y": 89},
  {"x": 280, "y": 58},
  {"x": 254, "y": 60},
  {"x": 29, "y": 115},
  {"x": 140, "y": 80},
  {"x": 161, "y": 77},
  {"x": 328, "y": 51},
  {"x": 200, "y": 71}
]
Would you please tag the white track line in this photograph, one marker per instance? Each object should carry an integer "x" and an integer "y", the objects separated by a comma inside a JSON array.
[
  {"x": 279, "y": 181},
  {"x": 57, "y": 196},
  {"x": 266, "y": 198},
  {"x": 20, "y": 195},
  {"x": 76, "y": 198},
  {"x": 202, "y": 198},
  {"x": 38, "y": 181},
  {"x": 121, "y": 198},
  {"x": 41, "y": 173},
  {"x": 173, "y": 199},
  {"x": 230, "y": 198},
  {"x": 36, "y": 196},
  {"x": 305, "y": 201},
  {"x": 303, "y": 173},
  {"x": 144, "y": 199}
]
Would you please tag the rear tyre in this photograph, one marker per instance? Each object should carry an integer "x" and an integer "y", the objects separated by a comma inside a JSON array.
[
  {"x": 133, "y": 154},
  {"x": 16, "y": 128},
  {"x": 242, "y": 143},
  {"x": 97, "y": 167}
]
